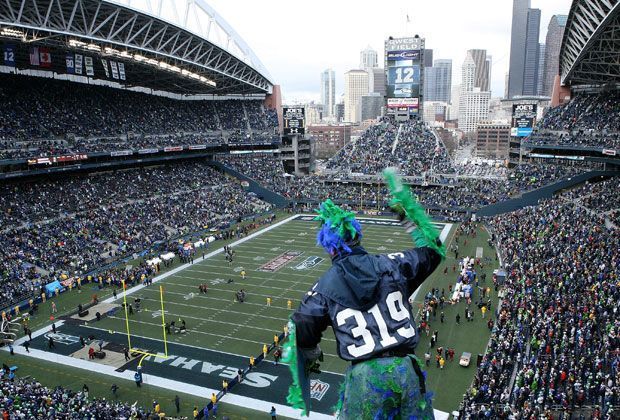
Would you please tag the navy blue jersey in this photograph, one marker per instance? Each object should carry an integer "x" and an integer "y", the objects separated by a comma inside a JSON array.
[{"x": 365, "y": 300}]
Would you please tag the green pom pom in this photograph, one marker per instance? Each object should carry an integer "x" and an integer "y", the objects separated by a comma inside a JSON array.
[
  {"x": 289, "y": 355},
  {"x": 404, "y": 202}
]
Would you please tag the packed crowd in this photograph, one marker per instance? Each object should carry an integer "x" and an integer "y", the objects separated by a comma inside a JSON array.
[
  {"x": 556, "y": 344},
  {"x": 410, "y": 146},
  {"x": 28, "y": 399},
  {"x": 73, "y": 117},
  {"x": 75, "y": 225},
  {"x": 588, "y": 120},
  {"x": 597, "y": 112},
  {"x": 601, "y": 198},
  {"x": 467, "y": 192},
  {"x": 588, "y": 139}
]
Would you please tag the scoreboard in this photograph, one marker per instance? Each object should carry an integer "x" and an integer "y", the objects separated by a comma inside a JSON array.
[
  {"x": 523, "y": 119},
  {"x": 404, "y": 73},
  {"x": 294, "y": 120}
]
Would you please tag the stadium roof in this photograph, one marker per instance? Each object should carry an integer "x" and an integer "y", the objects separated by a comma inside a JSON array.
[
  {"x": 185, "y": 42},
  {"x": 590, "y": 53}
]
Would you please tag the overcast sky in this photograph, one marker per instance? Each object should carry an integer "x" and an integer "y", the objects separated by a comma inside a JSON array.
[{"x": 297, "y": 40}]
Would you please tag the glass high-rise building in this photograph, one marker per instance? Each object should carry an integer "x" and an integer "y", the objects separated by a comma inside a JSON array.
[
  {"x": 328, "y": 92},
  {"x": 517, "y": 47},
  {"x": 553, "y": 43},
  {"x": 532, "y": 53},
  {"x": 482, "y": 75},
  {"x": 542, "y": 48},
  {"x": 438, "y": 81},
  {"x": 524, "y": 50}
]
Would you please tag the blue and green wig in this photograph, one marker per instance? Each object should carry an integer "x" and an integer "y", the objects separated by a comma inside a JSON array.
[{"x": 339, "y": 230}]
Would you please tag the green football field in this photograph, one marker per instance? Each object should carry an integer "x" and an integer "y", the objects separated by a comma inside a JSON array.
[
  {"x": 281, "y": 264},
  {"x": 216, "y": 321}
]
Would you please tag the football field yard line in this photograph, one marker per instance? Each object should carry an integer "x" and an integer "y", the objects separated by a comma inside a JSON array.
[
  {"x": 170, "y": 313},
  {"x": 226, "y": 310},
  {"x": 204, "y": 333},
  {"x": 238, "y": 283},
  {"x": 224, "y": 300}
]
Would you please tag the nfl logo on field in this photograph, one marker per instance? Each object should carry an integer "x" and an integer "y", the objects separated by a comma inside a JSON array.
[{"x": 318, "y": 389}]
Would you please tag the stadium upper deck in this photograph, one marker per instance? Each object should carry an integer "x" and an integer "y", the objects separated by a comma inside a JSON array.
[
  {"x": 591, "y": 46},
  {"x": 182, "y": 47}
]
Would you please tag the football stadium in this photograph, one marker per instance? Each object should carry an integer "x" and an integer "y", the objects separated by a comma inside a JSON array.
[{"x": 182, "y": 240}]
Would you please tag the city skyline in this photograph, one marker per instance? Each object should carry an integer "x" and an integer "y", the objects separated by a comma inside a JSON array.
[{"x": 295, "y": 61}]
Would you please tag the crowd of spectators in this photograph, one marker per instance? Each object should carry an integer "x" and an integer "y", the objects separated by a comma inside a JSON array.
[
  {"x": 601, "y": 198},
  {"x": 74, "y": 225},
  {"x": 588, "y": 120},
  {"x": 581, "y": 139},
  {"x": 410, "y": 146},
  {"x": 466, "y": 192},
  {"x": 42, "y": 117},
  {"x": 28, "y": 399},
  {"x": 598, "y": 112},
  {"x": 556, "y": 345}
]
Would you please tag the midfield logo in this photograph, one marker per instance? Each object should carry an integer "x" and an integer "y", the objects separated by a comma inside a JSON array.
[
  {"x": 318, "y": 389},
  {"x": 279, "y": 261},
  {"x": 308, "y": 263}
]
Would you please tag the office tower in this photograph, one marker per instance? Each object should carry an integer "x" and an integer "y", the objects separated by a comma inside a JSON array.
[
  {"x": 468, "y": 73},
  {"x": 473, "y": 101},
  {"x": 428, "y": 57},
  {"x": 328, "y": 92},
  {"x": 553, "y": 43},
  {"x": 355, "y": 86},
  {"x": 541, "y": 69},
  {"x": 443, "y": 79},
  {"x": 482, "y": 73},
  {"x": 368, "y": 58},
  {"x": 492, "y": 140},
  {"x": 517, "y": 47},
  {"x": 376, "y": 80},
  {"x": 530, "y": 71},
  {"x": 370, "y": 105},
  {"x": 438, "y": 81}
]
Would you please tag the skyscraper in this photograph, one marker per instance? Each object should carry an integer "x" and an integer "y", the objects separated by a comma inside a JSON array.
[
  {"x": 376, "y": 81},
  {"x": 482, "y": 74},
  {"x": 517, "y": 47},
  {"x": 541, "y": 69},
  {"x": 443, "y": 80},
  {"x": 437, "y": 81},
  {"x": 368, "y": 58},
  {"x": 355, "y": 86},
  {"x": 468, "y": 73},
  {"x": 473, "y": 101},
  {"x": 428, "y": 57},
  {"x": 328, "y": 92},
  {"x": 553, "y": 43},
  {"x": 530, "y": 71}
]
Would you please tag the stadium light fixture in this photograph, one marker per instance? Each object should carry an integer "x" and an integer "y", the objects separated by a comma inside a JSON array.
[
  {"x": 13, "y": 33},
  {"x": 76, "y": 43},
  {"x": 93, "y": 47}
]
